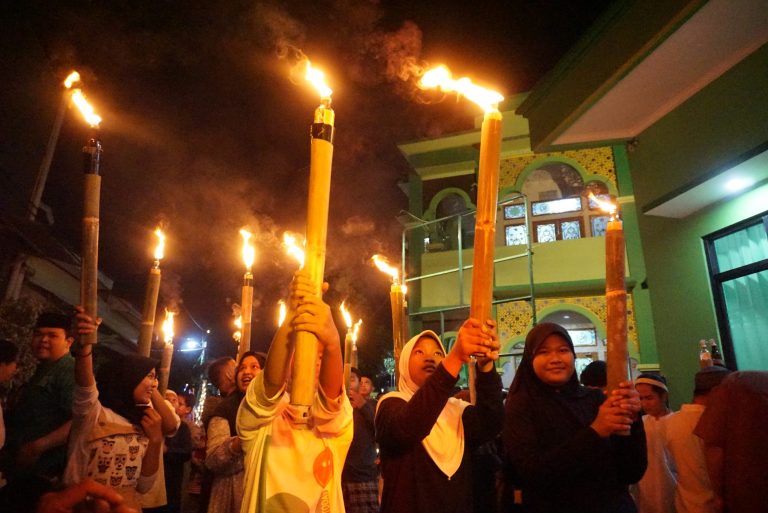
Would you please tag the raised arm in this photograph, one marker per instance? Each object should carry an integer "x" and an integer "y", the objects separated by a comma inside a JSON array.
[{"x": 85, "y": 324}]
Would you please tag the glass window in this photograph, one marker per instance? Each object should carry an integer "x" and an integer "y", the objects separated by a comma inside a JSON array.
[
  {"x": 584, "y": 337},
  {"x": 541, "y": 208},
  {"x": 741, "y": 248},
  {"x": 570, "y": 230},
  {"x": 593, "y": 205},
  {"x": 599, "y": 225},
  {"x": 516, "y": 235},
  {"x": 546, "y": 232},
  {"x": 514, "y": 211}
]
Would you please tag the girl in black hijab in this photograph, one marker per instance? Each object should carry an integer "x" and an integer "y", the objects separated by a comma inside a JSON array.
[{"x": 561, "y": 446}]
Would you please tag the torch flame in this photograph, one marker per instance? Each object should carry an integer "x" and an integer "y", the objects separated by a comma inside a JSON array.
[
  {"x": 293, "y": 248},
  {"x": 160, "y": 248},
  {"x": 440, "y": 78},
  {"x": 86, "y": 109},
  {"x": 347, "y": 316},
  {"x": 71, "y": 79},
  {"x": 317, "y": 78},
  {"x": 249, "y": 252},
  {"x": 281, "y": 313},
  {"x": 168, "y": 326},
  {"x": 383, "y": 265},
  {"x": 605, "y": 206},
  {"x": 356, "y": 330}
]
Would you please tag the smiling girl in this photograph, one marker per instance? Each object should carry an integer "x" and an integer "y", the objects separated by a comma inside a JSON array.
[
  {"x": 425, "y": 435},
  {"x": 561, "y": 442}
]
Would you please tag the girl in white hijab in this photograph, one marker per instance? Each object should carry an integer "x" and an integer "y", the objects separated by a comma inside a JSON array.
[{"x": 425, "y": 435}]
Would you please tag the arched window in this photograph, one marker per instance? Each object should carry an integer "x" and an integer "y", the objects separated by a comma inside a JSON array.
[{"x": 559, "y": 207}]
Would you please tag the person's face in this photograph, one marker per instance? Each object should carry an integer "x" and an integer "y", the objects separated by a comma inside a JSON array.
[
  {"x": 142, "y": 394},
  {"x": 50, "y": 344},
  {"x": 249, "y": 367},
  {"x": 227, "y": 381},
  {"x": 182, "y": 409},
  {"x": 7, "y": 370},
  {"x": 425, "y": 356},
  {"x": 554, "y": 361},
  {"x": 651, "y": 400},
  {"x": 354, "y": 382},
  {"x": 366, "y": 386},
  {"x": 173, "y": 399}
]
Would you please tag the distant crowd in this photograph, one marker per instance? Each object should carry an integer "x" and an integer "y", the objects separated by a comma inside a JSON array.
[{"x": 85, "y": 435}]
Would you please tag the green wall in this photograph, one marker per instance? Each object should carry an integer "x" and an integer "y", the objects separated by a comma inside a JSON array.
[{"x": 714, "y": 130}]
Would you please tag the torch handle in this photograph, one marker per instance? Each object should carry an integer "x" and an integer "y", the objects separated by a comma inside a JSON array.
[
  {"x": 616, "y": 303},
  {"x": 165, "y": 367},
  {"x": 246, "y": 310},
  {"x": 89, "y": 268},
  {"x": 321, "y": 159},
  {"x": 148, "y": 315}
]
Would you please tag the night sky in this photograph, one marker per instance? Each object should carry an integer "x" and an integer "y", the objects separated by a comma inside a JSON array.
[{"x": 205, "y": 131}]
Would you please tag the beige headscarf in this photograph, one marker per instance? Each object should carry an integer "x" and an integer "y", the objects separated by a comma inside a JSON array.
[{"x": 445, "y": 443}]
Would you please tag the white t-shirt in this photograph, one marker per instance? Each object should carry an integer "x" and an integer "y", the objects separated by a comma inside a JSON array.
[
  {"x": 288, "y": 466},
  {"x": 105, "y": 447},
  {"x": 686, "y": 451},
  {"x": 656, "y": 490}
]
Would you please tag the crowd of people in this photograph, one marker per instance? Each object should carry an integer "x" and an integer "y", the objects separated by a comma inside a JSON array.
[{"x": 85, "y": 437}]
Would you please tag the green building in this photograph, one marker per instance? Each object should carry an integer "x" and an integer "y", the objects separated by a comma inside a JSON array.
[{"x": 663, "y": 105}]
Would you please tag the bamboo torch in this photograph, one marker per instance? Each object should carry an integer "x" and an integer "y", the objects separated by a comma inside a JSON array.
[
  {"x": 321, "y": 158},
  {"x": 150, "y": 297},
  {"x": 89, "y": 265},
  {"x": 487, "y": 190},
  {"x": 165, "y": 361},
  {"x": 246, "y": 305},
  {"x": 615, "y": 297},
  {"x": 397, "y": 303},
  {"x": 350, "y": 343}
]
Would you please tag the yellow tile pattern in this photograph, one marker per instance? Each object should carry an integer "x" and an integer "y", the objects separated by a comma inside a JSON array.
[{"x": 597, "y": 161}]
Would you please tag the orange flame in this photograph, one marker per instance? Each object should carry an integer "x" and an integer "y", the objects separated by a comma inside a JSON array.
[
  {"x": 293, "y": 248},
  {"x": 347, "y": 316},
  {"x": 86, "y": 109},
  {"x": 383, "y": 265},
  {"x": 249, "y": 252},
  {"x": 281, "y": 312},
  {"x": 356, "y": 330},
  {"x": 317, "y": 78},
  {"x": 605, "y": 206},
  {"x": 71, "y": 79},
  {"x": 160, "y": 248},
  {"x": 168, "y": 326},
  {"x": 441, "y": 78}
]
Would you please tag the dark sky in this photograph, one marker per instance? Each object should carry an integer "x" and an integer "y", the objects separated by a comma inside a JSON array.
[{"x": 203, "y": 128}]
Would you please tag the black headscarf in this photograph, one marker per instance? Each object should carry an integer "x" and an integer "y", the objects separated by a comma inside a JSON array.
[
  {"x": 227, "y": 408},
  {"x": 526, "y": 380},
  {"x": 117, "y": 378}
]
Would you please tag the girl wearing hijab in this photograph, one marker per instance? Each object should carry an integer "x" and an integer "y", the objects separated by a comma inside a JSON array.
[
  {"x": 562, "y": 445},
  {"x": 224, "y": 457},
  {"x": 425, "y": 435},
  {"x": 116, "y": 437}
]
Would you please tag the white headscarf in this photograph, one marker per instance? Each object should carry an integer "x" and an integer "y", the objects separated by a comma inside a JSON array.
[{"x": 445, "y": 443}]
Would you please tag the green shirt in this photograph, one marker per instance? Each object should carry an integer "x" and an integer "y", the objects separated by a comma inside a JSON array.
[{"x": 44, "y": 403}]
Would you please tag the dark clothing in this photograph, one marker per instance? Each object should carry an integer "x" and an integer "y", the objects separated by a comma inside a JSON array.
[
  {"x": 44, "y": 403},
  {"x": 179, "y": 451},
  {"x": 735, "y": 420},
  {"x": 561, "y": 464},
  {"x": 551, "y": 453},
  {"x": 360, "y": 465},
  {"x": 412, "y": 481}
]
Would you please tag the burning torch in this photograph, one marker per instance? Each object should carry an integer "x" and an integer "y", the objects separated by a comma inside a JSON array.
[
  {"x": 617, "y": 352},
  {"x": 487, "y": 188},
  {"x": 165, "y": 361},
  {"x": 150, "y": 297},
  {"x": 350, "y": 343},
  {"x": 321, "y": 157},
  {"x": 89, "y": 265},
  {"x": 246, "y": 305},
  {"x": 397, "y": 303}
]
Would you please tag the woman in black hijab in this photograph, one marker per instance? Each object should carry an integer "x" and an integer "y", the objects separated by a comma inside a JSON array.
[{"x": 562, "y": 450}]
